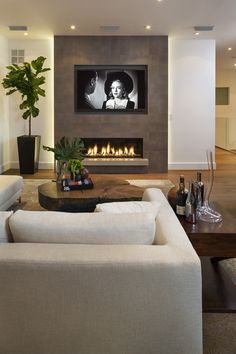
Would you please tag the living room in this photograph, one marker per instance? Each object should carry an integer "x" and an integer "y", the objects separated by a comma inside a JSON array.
[{"x": 179, "y": 121}]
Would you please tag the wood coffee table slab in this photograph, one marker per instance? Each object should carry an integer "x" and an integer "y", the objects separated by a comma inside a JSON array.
[{"x": 106, "y": 189}]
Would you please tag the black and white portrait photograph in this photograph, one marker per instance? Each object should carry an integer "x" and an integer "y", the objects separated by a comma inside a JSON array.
[{"x": 110, "y": 88}]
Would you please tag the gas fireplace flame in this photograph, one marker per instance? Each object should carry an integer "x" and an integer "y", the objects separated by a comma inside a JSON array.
[{"x": 109, "y": 151}]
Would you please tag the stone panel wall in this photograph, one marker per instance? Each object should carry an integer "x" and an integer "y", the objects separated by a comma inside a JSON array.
[{"x": 115, "y": 50}]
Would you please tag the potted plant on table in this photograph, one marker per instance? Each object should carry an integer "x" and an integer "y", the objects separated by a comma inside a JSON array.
[
  {"x": 27, "y": 81},
  {"x": 74, "y": 166},
  {"x": 68, "y": 154}
]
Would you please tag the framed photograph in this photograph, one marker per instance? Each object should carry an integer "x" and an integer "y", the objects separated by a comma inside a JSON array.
[{"x": 111, "y": 88}]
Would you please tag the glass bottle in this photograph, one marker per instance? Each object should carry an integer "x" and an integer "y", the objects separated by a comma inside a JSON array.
[
  {"x": 181, "y": 197},
  {"x": 191, "y": 203},
  {"x": 200, "y": 187}
]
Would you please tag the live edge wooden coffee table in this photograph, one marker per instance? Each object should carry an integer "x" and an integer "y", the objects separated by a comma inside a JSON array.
[{"x": 106, "y": 189}]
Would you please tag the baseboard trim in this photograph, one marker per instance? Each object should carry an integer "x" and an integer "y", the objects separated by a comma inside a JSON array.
[
  {"x": 4, "y": 167},
  {"x": 189, "y": 166},
  {"x": 42, "y": 165},
  {"x": 46, "y": 165}
]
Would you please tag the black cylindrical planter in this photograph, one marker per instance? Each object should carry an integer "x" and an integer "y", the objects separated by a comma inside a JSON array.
[{"x": 28, "y": 151}]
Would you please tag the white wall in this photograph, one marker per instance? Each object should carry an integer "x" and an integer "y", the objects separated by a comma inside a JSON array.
[
  {"x": 191, "y": 102},
  {"x": 226, "y": 114},
  {"x": 4, "y": 109},
  {"x": 43, "y": 124}
]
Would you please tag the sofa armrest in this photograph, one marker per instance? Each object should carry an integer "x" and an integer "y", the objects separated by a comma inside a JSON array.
[{"x": 168, "y": 228}]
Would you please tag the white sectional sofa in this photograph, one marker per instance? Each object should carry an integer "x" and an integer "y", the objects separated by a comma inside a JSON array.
[
  {"x": 10, "y": 190},
  {"x": 141, "y": 297}
]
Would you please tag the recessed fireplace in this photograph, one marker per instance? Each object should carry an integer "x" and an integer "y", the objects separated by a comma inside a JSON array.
[{"x": 113, "y": 148}]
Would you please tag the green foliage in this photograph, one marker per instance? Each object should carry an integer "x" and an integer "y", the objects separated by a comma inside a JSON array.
[
  {"x": 26, "y": 80},
  {"x": 67, "y": 149}
]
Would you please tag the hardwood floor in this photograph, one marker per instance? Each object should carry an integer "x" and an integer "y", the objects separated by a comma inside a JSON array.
[{"x": 224, "y": 188}]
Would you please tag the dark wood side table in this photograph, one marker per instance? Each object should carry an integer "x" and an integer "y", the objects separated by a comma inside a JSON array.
[
  {"x": 106, "y": 189},
  {"x": 213, "y": 242}
]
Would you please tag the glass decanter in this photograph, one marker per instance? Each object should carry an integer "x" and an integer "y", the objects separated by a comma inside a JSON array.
[{"x": 205, "y": 212}]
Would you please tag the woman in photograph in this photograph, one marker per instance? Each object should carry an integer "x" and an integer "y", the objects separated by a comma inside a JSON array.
[{"x": 118, "y": 86}]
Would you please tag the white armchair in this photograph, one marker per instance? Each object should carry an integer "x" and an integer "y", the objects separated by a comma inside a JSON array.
[{"x": 10, "y": 190}]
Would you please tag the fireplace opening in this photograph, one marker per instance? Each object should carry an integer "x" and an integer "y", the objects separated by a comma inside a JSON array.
[{"x": 113, "y": 147}]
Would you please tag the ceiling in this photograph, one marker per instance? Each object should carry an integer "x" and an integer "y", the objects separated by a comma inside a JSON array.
[{"x": 175, "y": 18}]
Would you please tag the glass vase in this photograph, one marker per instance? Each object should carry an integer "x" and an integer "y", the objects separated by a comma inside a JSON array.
[{"x": 60, "y": 170}]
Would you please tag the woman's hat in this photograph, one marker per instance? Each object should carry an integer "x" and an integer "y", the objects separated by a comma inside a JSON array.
[{"x": 121, "y": 76}]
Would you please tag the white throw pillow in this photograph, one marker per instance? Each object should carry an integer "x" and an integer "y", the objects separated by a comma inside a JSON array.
[
  {"x": 152, "y": 207},
  {"x": 86, "y": 228},
  {"x": 5, "y": 233}
]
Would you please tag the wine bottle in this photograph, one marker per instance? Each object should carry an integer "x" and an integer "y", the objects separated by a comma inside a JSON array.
[
  {"x": 181, "y": 197},
  {"x": 191, "y": 203},
  {"x": 200, "y": 187}
]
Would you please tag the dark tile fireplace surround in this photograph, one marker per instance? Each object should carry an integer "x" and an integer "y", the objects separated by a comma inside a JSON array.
[{"x": 146, "y": 133}]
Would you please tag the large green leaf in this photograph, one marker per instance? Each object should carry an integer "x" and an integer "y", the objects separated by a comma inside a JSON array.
[
  {"x": 35, "y": 111},
  {"x": 67, "y": 149},
  {"x": 26, "y": 114}
]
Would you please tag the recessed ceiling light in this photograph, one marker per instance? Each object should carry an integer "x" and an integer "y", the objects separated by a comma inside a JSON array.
[
  {"x": 72, "y": 27},
  {"x": 159, "y": 0},
  {"x": 25, "y": 33},
  {"x": 229, "y": 48},
  {"x": 196, "y": 33},
  {"x": 234, "y": 64},
  {"x": 148, "y": 27}
]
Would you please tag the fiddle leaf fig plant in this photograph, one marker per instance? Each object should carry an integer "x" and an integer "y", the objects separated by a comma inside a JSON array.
[{"x": 26, "y": 80}]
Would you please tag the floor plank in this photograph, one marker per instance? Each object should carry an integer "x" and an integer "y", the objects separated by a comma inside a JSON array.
[{"x": 224, "y": 188}]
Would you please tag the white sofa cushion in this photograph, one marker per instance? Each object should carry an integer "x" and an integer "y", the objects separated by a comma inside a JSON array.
[
  {"x": 86, "y": 228},
  {"x": 129, "y": 207},
  {"x": 5, "y": 234}
]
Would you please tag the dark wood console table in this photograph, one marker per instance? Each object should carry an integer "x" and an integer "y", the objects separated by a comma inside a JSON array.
[
  {"x": 213, "y": 242},
  {"x": 106, "y": 189}
]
